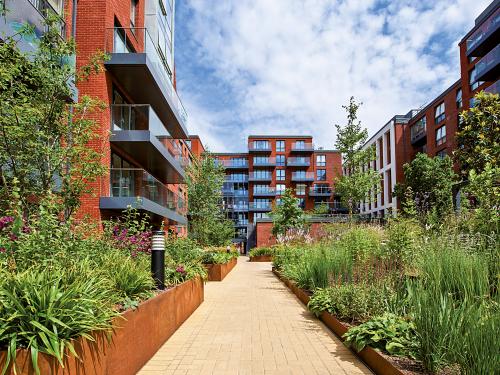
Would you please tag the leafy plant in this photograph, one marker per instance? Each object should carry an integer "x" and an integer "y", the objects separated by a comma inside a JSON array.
[
  {"x": 287, "y": 215},
  {"x": 388, "y": 333},
  {"x": 262, "y": 251}
]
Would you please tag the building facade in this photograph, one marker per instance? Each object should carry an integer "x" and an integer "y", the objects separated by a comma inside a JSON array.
[{"x": 256, "y": 178}]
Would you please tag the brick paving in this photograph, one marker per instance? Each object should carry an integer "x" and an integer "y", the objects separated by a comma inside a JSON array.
[{"x": 250, "y": 323}]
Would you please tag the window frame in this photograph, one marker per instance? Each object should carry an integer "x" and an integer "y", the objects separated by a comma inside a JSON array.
[
  {"x": 441, "y": 108},
  {"x": 442, "y": 132}
]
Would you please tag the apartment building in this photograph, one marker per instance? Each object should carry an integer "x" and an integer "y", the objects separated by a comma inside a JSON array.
[{"x": 255, "y": 179}]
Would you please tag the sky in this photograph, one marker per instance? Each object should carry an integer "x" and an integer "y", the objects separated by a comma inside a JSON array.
[{"x": 288, "y": 66}]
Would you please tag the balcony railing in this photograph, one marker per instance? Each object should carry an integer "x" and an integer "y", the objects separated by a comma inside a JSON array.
[
  {"x": 240, "y": 193},
  {"x": 236, "y": 178},
  {"x": 260, "y": 176},
  {"x": 297, "y": 176},
  {"x": 237, "y": 207},
  {"x": 232, "y": 163},
  {"x": 494, "y": 88},
  {"x": 483, "y": 34},
  {"x": 264, "y": 162},
  {"x": 487, "y": 67},
  {"x": 418, "y": 131},
  {"x": 269, "y": 192},
  {"x": 259, "y": 147},
  {"x": 260, "y": 206},
  {"x": 298, "y": 162},
  {"x": 304, "y": 147},
  {"x": 45, "y": 9},
  {"x": 135, "y": 182},
  {"x": 138, "y": 40},
  {"x": 320, "y": 191},
  {"x": 241, "y": 222}
]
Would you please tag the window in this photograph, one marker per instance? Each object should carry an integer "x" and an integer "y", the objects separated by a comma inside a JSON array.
[
  {"x": 300, "y": 189},
  {"x": 260, "y": 189},
  {"x": 441, "y": 135},
  {"x": 262, "y": 174},
  {"x": 280, "y": 146},
  {"x": 280, "y": 188},
  {"x": 280, "y": 160},
  {"x": 239, "y": 162},
  {"x": 439, "y": 113},
  {"x": 388, "y": 147},
  {"x": 133, "y": 11},
  {"x": 188, "y": 142},
  {"x": 441, "y": 154},
  {"x": 280, "y": 175},
  {"x": 278, "y": 201},
  {"x": 321, "y": 160},
  {"x": 262, "y": 203},
  {"x": 261, "y": 145},
  {"x": 459, "y": 98},
  {"x": 300, "y": 145},
  {"x": 301, "y": 203},
  {"x": 260, "y": 215},
  {"x": 262, "y": 160},
  {"x": 321, "y": 174},
  {"x": 473, "y": 82}
]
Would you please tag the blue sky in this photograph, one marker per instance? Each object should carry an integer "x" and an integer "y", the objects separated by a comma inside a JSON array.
[{"x": 287, "y": 66}]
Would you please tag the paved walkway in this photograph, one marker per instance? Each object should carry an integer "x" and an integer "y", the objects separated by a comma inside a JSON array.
[{"x": 251, "y": 324}]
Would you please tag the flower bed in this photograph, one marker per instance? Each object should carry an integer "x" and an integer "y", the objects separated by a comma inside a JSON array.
[
  {"x": 217, "y": 272},
  {"x": 137, "y": 335}
]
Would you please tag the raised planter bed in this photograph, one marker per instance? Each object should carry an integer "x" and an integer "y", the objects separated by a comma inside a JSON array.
[
  {"x": 372, "y": 358},
  {"x": 138, "y": 335},
  {"x": 261, "y": 258},
  {"x": 217, "y": 272}
]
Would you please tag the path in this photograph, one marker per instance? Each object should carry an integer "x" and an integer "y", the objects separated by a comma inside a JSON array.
[{"x": 250, "y": 323}]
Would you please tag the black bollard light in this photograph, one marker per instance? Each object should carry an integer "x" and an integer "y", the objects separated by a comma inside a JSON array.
[{"x": 158, "y": 258}]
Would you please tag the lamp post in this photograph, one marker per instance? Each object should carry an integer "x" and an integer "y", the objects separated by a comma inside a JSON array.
[{"x": 158, "y": 258}]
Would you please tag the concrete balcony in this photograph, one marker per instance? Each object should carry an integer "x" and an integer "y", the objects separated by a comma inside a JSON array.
[
  {"x": 260, "y": 206},
  {"x": 137, "y": 188},
  {"x": 298, "y": 162},
  {"x": 144, "y": 74},
  {"x": 302, "y": 177},
  {"x": 260, "y": 177},
  {"x": 320, "y": 191},
  {"x": 302, "y": 147},
  {"x": 137, "y": 130},
  {"x": 488, "y": 67},
  {"x": 485, "y": 37}
]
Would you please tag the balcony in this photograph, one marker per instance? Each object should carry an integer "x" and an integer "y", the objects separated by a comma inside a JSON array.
[
  {"x": 137, "y": 130},
  {"x": 136, "y": 188},
  {"x": 262, "y": 177},
  {"x": 488, "y": 67},
  {"x": 418, "y": 133},
  {"x": 298, "y": 162},
  {"x": 232, "y": 164},
  {"x": 264, "y": 162},
  {"x": 320, "y": 191},
  {"x": 137, "y": 63},
  {"x": 259, "y": 147},
  {"x": 241, "y": 223},
  {"x": 485, "y": 37},
  {"x": 302, "y": 177},
  {"x": 302, "y": 147},
  {"x": 237, "y": 207},
  {"x": 240, "y": 193},
  {"x": 269, "y": 192},
  {"x": 260, "y": 206},
  {"x": 236, "y": 178},
  {"x": 494, "y": 88}
]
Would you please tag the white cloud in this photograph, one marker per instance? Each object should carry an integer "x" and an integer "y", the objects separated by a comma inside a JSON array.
[{"x": 292, "y": 64}]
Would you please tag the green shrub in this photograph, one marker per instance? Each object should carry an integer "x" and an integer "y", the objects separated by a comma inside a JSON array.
[
  {"x": 362, "y": 242},
  {"x": 403, "y": 239},
  {"x": 262, "y": 251},
  {"x": 388, "y": 333},
  {"x": 183, "y": 250},
  {"x": 216, "y": 257}
]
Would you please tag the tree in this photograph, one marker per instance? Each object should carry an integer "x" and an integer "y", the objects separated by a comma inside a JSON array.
[
  {"x": 428, "y": 182},
  {"x": 287, "y": 215},
  {"x": 44, "y": 136},
  {"x": 479, "y": 135},
  {"x": 207, "y": 222},
  {"x": 356, "y": 185}
]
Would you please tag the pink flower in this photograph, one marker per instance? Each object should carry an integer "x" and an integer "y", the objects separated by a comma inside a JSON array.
[{"x": 180, "y": 269}]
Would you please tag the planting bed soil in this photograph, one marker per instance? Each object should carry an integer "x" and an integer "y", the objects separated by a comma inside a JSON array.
[
  {"x": 217, "y": 272},
  {"x": 261, "y": 258},
  {"x": 138, "y": 334}
]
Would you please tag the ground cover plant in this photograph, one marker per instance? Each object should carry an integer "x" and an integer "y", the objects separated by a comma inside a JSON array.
[{"x": 264, "y": 251}]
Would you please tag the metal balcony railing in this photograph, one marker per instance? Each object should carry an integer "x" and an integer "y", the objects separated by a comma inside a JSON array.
[
  {"x": 485, "y": 68},
  {"x": 136, "y": 182},
  {"x": 260, "y": 206},
  {"x": 260, "y": 176},
  {"x": 264, "y": 162},
  {"x": 320, "y": 191},
  {"x": 232, "y": 163},
  {"x": 236, "y": 178}
]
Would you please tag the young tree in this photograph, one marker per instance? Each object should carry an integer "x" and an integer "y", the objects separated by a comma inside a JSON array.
[
  {"x": 360, "y": 181},
  {"x": 207, "y": 223},
  {"x": 44, "y": 136},
  {"x": 287, "y": 215},
  {"x": 429, "y": 181}
]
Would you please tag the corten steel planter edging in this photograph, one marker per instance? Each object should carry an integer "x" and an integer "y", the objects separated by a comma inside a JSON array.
[
  {"x": 217, "y": 272},
  {"x": 261, "y": 258},
  {"x": 137, "y": 335},
  {"x": 372, "y": 358}
]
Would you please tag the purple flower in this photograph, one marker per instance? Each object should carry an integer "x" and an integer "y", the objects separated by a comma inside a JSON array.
[
  {"x": 180, "y": 269},
  {"x": 3, "y": 249},
  {"x": 13, "y": 237}
]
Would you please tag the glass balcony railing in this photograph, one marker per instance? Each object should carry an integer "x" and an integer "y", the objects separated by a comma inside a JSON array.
[
  {"x": 484, "y": 32},
  {"x": 264, "y": 162},
  {"x": 135, "y": 182},
  {"x": 260, "y": 206},
  {"x": 45, "y": 8},
  {"x": 299, "y": 146},
  {"x": 307, "y": 176},
  {"x": 240, "y": 193},
  {"x": 253, "y": 176},
  {"x": 264, "y": 192},
  {"x": 418, "y": 131},
  {"x": 241, "y": 222},
  {"x": 236, "y": 178},
  {"x": 237, "y": 163},
  {"x": 298, "y": 162},
  {"x": 494, "y": 88},
  {"x": 138, "y": 40},
  {"x": 485, "y": 68},
  {"x": 259, "y": 146},
  {"x": 320, "y": 191}
]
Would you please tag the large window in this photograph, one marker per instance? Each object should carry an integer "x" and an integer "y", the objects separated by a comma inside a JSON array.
[
  {"x": 280, "y": 146},
  {"x": 300, "y": 145},
  {"x": 262, "y": 203},
  {"x": 321, "y": 174},
  {"x": 133, "y": 12},
  {"x": 280, "y": 160},
  {"x": 300, "y": 189},
  {"x": 439, "y": 113},
  {"x": 321, "y": 160},
  {"x": 261, "y": 145},
  {"x": 459, "y": 98},
  {"x": 441, "y": 135},
  {"x": 260, "y": 215},
  {"x": 262, "y": 174},
  {"x": 260, "y": 189},
  {"x": 418, "y": 128},
  {"x": 280, "y": 188},
  {"x": 280, "y": 174},
  {"x": 473, "y": 82}
]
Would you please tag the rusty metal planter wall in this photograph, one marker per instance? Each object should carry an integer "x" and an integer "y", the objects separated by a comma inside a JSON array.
[
  {"x": 261, "y": 258},
  {"x": 217, "y": 272}
]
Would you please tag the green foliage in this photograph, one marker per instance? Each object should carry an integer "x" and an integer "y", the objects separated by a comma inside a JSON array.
[
  {"x": 207, "y": 223},
  {"x": 183, "y": 261},
  {"x": 479, "y": 135},
  {"x": 388, "y": 333},
  {"x": 362, "y": 242},
  {"x": 260, "y": 251},
  {"x": 431, "y": 181},
  {"x": 44, "y": 137},
  {"x": 356, "y": 185},
  {"x": 403, "y": 240},
  {"x": 218, "y": 256},
  {"x": 287, "y": 215}
]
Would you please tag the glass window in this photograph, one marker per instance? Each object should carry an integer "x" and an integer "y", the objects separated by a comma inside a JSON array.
[
  {"x": 321, "y": 160},
  {"x": 260, "y": 160},
  {"x": 262, "y": 174},
  {"x": 418, "y": 129},
  {"x": 300, "y": 189},
  {"x": 441, "y": 135},
  {"x": 280, "y": 174},
  {"x": 280, "y": 160},
  {"x": 133, "y": 9},
  {"x": 439, "y": 113},
  {"x": 260, "y": 189},
  {"x": 300, "y": 145},
  {"x": 473, "y": 82},
  {"x": 301, "y": 202},
  {"x": 459, "y": 98},
  {"x": 321, "y": 174},
  {"x": 441, "y": 154},
  {"x": 280, "y": 188},
  {"x": 261, "y": 145},
  {"x": 260, "y": 215},
  {"x": 280, "y": 146}
]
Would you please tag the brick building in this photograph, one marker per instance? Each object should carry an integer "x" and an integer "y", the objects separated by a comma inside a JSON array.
[{"x": 255, "y": 179}]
